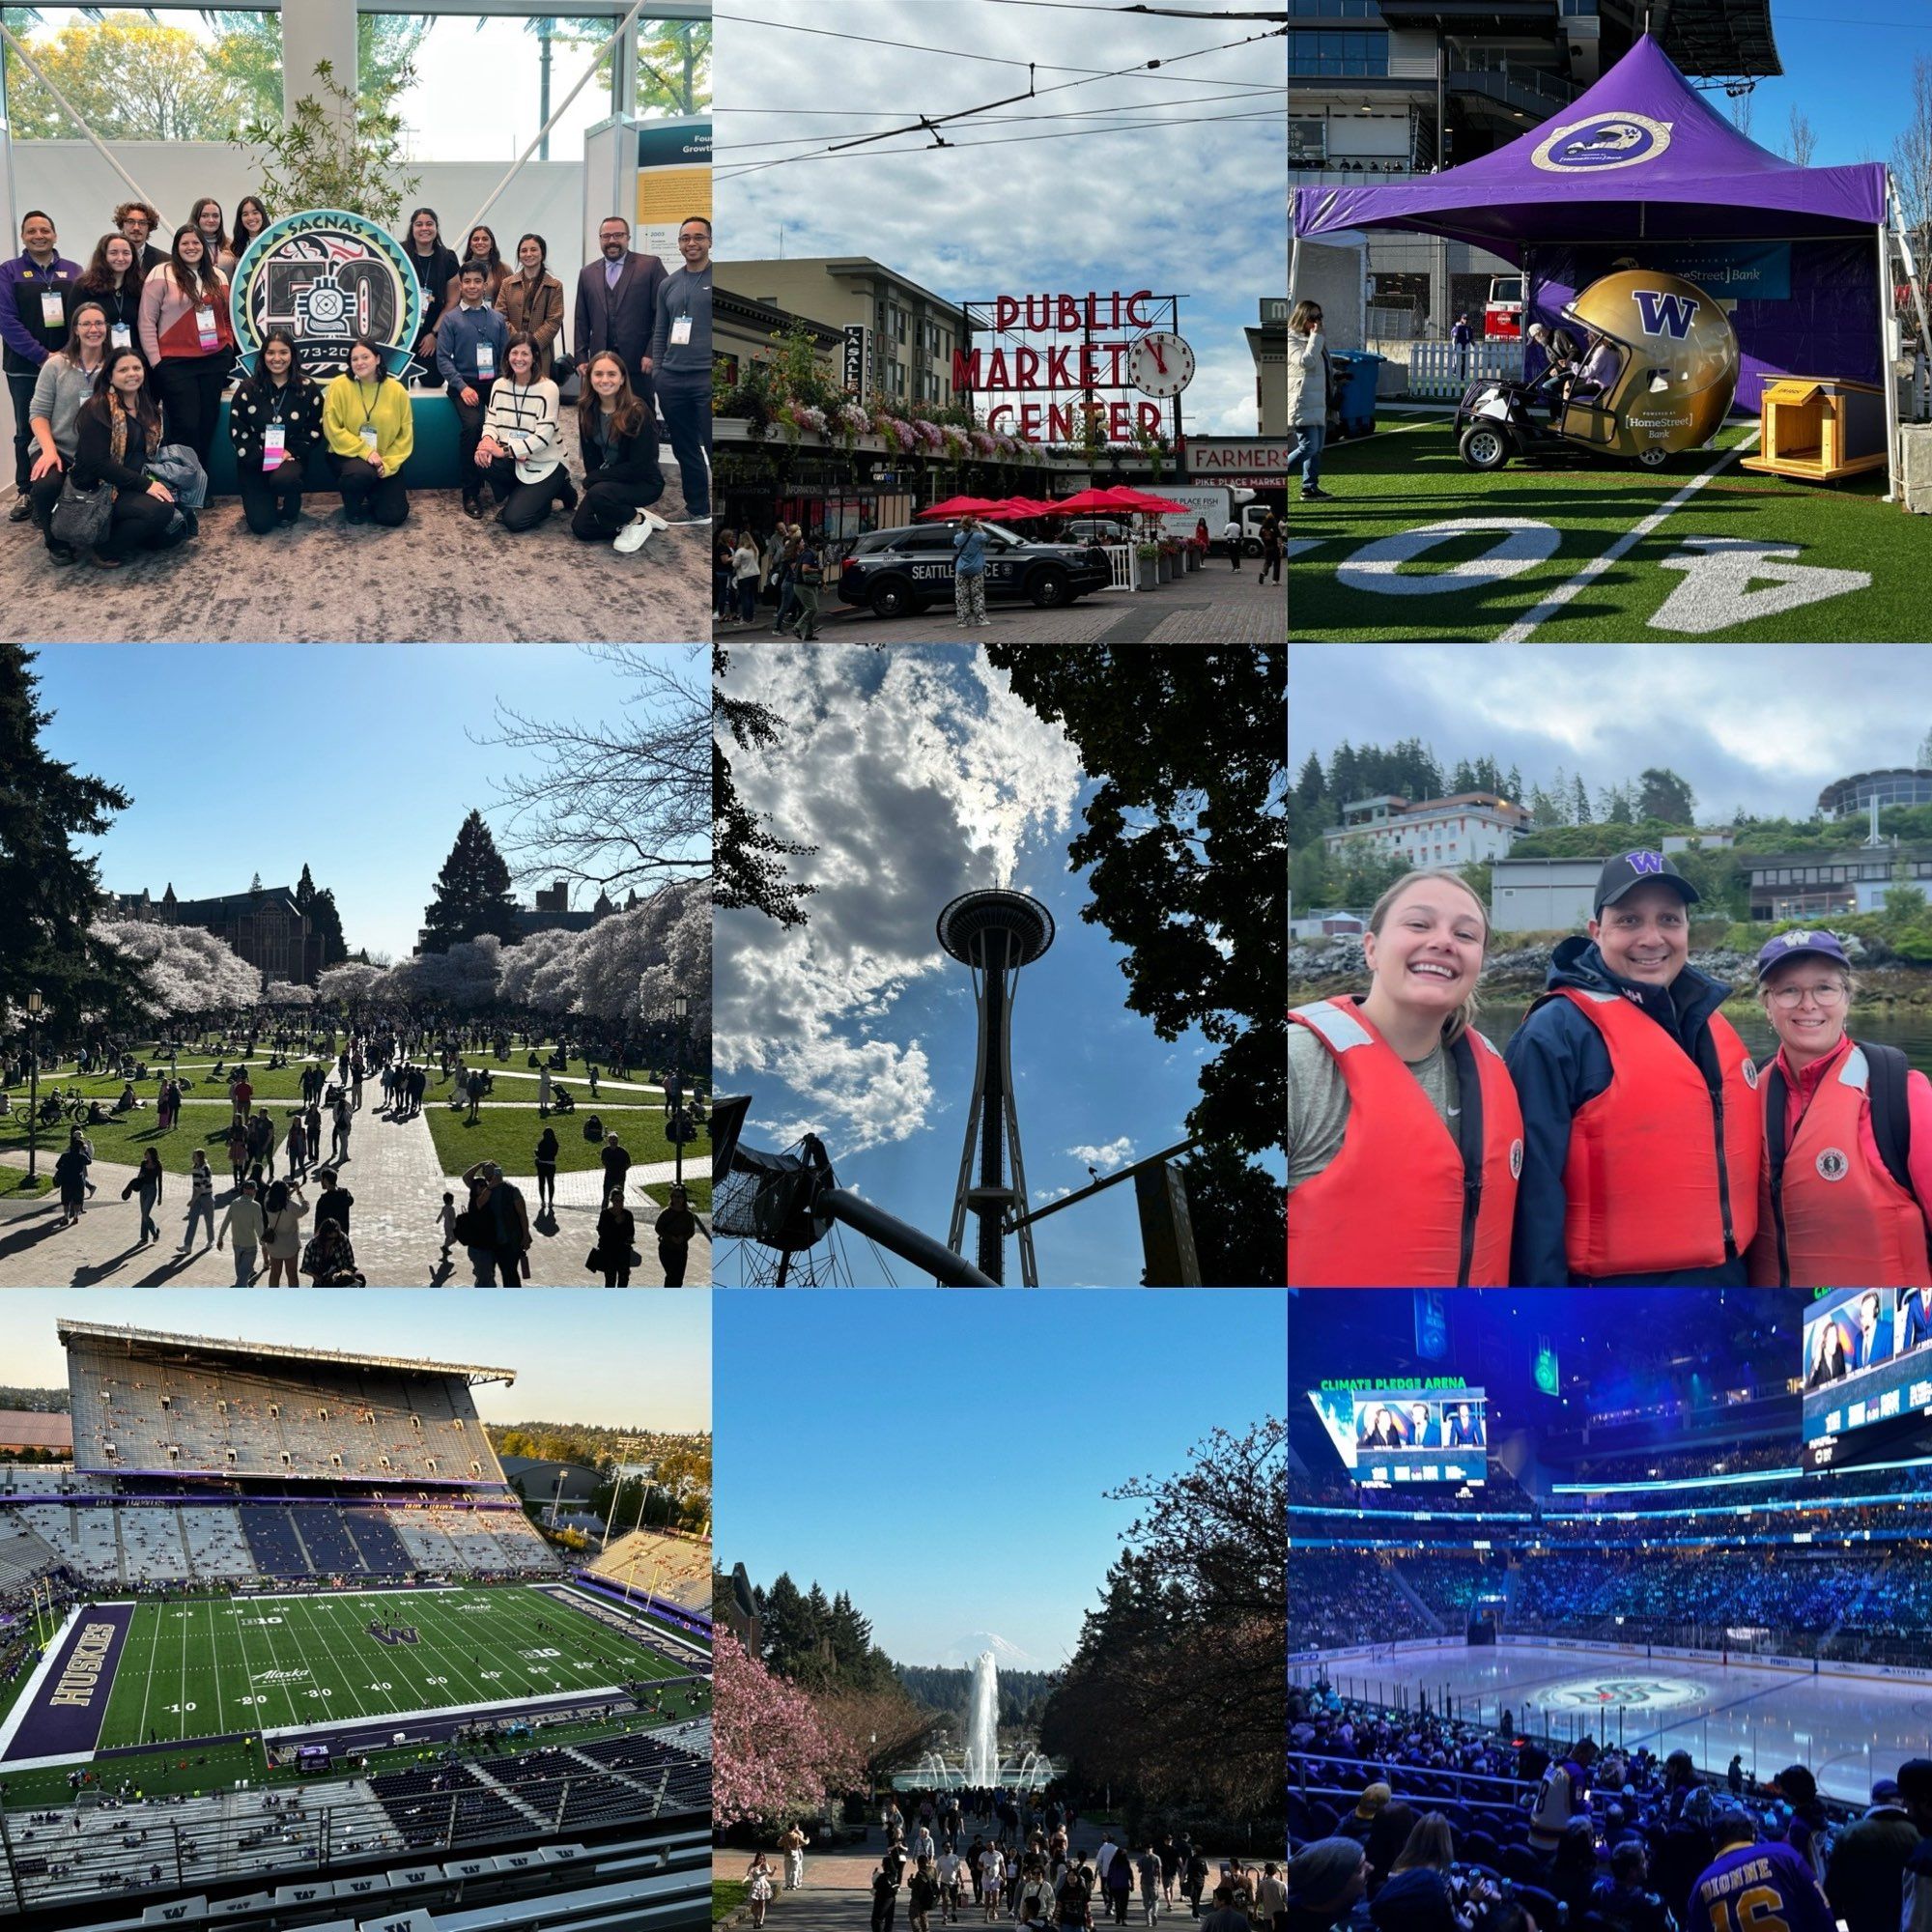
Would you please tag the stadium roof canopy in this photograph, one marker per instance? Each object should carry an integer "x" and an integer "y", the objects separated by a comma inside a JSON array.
[
  {"x": 1717, "y": 37},
  {"x": 136, "y": 1340}
]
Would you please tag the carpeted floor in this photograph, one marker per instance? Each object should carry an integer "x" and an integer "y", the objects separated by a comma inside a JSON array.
[{"x": 439, "y": 579}]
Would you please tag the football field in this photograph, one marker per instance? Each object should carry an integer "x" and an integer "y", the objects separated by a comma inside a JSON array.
[
  {"x": 1417, "y": 546},
  {"x": 216, "y": 1666}
]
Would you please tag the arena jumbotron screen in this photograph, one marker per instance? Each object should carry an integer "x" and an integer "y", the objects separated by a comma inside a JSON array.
[
  {"x": 1867, "y": 1371},
  {"x": 1407, "y": 1432}
]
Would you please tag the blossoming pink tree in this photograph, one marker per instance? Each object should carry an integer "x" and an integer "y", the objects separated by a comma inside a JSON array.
[{"x": 772, "y": 1755}]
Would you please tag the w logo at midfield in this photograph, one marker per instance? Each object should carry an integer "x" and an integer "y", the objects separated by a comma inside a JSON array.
[
  {"x": 1666, "y": 314},
  {"x": 391, "y": 1633}
]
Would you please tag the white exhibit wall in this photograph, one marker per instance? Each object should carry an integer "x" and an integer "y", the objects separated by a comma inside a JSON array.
[{"x": 71, "y": 182}]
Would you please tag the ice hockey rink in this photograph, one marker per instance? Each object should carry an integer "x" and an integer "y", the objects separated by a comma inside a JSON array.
[{"x": 1848, "y": 1729}]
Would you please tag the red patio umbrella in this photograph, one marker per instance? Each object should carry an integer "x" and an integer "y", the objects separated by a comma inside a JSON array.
[
  {"x": 1088, "y": 502},
  {"x": 960, "y": 506},
  {"x": 1019, "y": 507},
  {"x": 1130, "y": 499}
]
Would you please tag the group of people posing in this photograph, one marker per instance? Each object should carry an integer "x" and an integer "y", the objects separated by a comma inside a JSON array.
[
  {"x": 117, "y": 372},
  {"x": 1624, "y": 1135}
]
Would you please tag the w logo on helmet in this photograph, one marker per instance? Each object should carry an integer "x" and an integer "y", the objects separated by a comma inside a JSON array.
[
  {"x": 1666, "y": 314},
  {"x": 1644, "y": 862}
]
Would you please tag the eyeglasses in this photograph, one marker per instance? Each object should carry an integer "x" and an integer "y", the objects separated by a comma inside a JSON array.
[{"x": 1787, "y": 998}]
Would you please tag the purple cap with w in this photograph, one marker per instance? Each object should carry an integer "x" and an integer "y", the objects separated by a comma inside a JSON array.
[{"x": 1639, "y": 869}]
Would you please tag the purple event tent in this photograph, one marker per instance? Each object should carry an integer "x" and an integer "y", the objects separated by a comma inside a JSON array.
[{"x": 1642, "y": 170}]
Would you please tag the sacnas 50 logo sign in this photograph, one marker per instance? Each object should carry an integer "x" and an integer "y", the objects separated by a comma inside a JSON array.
[{"x": 329, "y": 278}]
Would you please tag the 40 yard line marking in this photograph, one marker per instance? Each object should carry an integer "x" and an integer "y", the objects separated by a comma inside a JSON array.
[{"x": 1518, "y": 633}]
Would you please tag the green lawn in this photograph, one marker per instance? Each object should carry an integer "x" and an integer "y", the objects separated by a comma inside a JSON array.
[
  {"x": 1683, "y": 580},
  {"x": 508, "y": 1135},
  {"x": 126, "y": 1139},
  {"x": 726, "y": 1896},
  {"x": 13, "y": 1182},
  {"x": 697, "y": 1192}
]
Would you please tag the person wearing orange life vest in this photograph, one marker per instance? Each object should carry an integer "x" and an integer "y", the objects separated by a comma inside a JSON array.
[
  {"x": 1643, "y": 1131},
  {"x": 1848, "y": 1134},
  {"x": 1404, "y": 1136}
]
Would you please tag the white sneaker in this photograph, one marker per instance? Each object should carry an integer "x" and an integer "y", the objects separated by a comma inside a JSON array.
[{"x": 635, "y": 533}]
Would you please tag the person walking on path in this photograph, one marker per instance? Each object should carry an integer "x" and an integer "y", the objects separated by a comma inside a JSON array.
[
  {"x": 1307, "y": 396},
  {"x": 200, "y": 1199},
  {"x": 546, "y": 1158},
  {"x": 542, "y": 1093},
  {"x": 616, "y": 1241},
  {"x": 281, "y": 1226},
  {"x": 807, "y": 573},
  {"x": 759, "y": 1887},
  {"x": 675, "y": 1226},
  {"x": 241, "y": 1096},
  {"x": 791, "y": 1842},
  {"x": 617, "y": 1159},
  {"x": 245, "y": 1217},
  {"x": 497, "y": 1231},
  {"x": 1231, "y": 535},
  {"x": 297, "y": 1148},
  {"x": 147, "y": 1185},
  {"x": 71, "y": 1176},
  {"x": 342, "y": 1120},
  {"x": 334, "y": 1202},
  {"x": 969, "y": 575},
  {"x": 1270, "y": 548}
]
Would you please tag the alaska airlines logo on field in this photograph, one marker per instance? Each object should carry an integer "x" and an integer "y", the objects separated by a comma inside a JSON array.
[
  {"x": 1603, "y": 141},
  {"x": 1664, "y": 313},
  {"x": 81, "y": 1678},
  {"x": 327, "y": 277}
]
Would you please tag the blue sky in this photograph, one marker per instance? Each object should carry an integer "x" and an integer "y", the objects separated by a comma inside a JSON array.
[
  {"x": 1848, "y": 69},
  {"x": 919, "y": 776},
  {"x": 586, "y": 1356},
  {"x": 256, "y": 757},
  {"x": 1190, "y": 207},
  {"x": 943, "y": 1457}
]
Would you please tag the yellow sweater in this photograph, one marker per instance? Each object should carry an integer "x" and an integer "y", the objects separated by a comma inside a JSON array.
[{"x": 345, "y": 407}]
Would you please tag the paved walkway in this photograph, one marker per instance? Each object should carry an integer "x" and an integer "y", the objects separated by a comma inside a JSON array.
[
  {"x": 397, "y": 1180},
  {"x": 1214, "y": 605}
]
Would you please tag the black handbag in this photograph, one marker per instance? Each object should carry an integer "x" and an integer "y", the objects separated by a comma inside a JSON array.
[{"x": 80, "y": 517}]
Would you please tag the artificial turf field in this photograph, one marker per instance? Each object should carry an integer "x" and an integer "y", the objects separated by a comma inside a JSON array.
[
  {"x": 214, "y": 1666},
  {"x": 1742, "y": 556}
]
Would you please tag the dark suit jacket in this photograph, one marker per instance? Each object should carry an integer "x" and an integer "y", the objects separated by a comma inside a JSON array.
[{"x": 620, "y": 318}]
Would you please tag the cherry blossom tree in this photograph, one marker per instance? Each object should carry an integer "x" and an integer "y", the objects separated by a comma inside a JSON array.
[
  {"x": 349, "y": 982},
  {"x": 183, "y": 970},
  {"x": 286, "y": 993},
  {"x": 773, "y": 1756}
]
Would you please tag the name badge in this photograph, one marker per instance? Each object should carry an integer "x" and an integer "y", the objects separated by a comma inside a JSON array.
[
  {"x": 274, "y": 446},
  {"x": 485, "y": 362},
  {"x": 370, "y": 440},
  {"x": 52, "y": 310},
  {"x": 120, "y": 335},
  {"x": 680, "y": 329},
  {"x": 204, "y": 323}
]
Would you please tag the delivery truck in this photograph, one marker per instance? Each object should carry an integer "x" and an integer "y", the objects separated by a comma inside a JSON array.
[{"x": 1216, "y": 503}]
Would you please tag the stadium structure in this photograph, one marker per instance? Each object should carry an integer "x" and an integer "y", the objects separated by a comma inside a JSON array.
[
  {"x": 279, "y": 1647},
  {"x": 1688, "y": 1526}
]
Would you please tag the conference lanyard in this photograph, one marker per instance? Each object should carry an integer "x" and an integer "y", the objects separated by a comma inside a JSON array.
[{"x": 371, "y": 440}]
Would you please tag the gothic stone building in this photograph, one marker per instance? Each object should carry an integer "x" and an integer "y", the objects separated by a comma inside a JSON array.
[{"x": 265, "y": 927}]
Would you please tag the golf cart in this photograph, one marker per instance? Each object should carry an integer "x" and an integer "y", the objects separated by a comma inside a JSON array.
[{"x": 1659, "y": 367}]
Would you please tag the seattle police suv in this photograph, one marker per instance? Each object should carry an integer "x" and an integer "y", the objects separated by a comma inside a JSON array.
[{"x": 897, "y": 572}]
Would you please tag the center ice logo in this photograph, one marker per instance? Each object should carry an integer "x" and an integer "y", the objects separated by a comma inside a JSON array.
[{"x": 1598, "y": 1693}]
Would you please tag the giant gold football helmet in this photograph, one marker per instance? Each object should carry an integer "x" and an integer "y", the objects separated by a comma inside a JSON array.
[{"x": 1678, "y": 370}]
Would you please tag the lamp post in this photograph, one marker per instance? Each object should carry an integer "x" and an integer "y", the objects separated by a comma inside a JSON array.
[
  {"x": 680, "y": 1009},
  {"x": 34, "y": 1005}
]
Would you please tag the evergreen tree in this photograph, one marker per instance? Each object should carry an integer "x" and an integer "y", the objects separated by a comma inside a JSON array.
[
  {"x": 49, "y": 893},
  {"x": 1580, "y": 803},
  {"x": 1309, "y": 787},
  {"x": 1662, "y": 794},
  {"x": 255, "y": 884},
  {"x": 1512, "y": 784},
  {"x": 304, "y": 891},
  {"x": 1343, "y": 786},
  {"x": 1238, "y": 1217},
  {"x": 786, "y": 1626},
  {"x": 472, "y": 891},
  {"x": 1465, "y": 777},
  {"x": 327, "y": 924}
]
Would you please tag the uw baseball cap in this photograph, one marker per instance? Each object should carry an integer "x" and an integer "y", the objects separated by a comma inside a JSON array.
[
  {"x": 1796, "y": 945},
  {"x": 1629, "y": 869}
]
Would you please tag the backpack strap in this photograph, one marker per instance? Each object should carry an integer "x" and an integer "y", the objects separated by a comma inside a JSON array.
[
  {"x": 1776, "y": 1146},
  {"x": 1469, "y": 1144},
  {"x": 1892, "y": 1114}
]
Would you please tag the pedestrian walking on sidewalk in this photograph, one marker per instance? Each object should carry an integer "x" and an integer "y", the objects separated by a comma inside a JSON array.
[{"x": 969, "y": 574}]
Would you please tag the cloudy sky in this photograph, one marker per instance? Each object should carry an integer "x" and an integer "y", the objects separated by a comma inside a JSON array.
[
  {"x": 919, "y": 776},
  {"x": 387, "y": 770},
  {"x": 1761, "y": 725},
  {"x": 1176, "y": 199}
]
